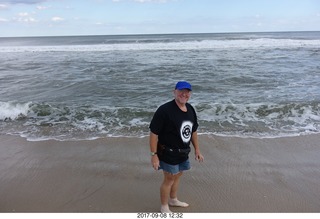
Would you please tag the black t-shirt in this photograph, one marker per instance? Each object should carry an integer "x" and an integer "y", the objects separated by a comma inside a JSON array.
[{"x": 174, "y": 128}]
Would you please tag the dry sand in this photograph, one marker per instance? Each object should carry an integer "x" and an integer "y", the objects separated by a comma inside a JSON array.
[{"x": 115, "y": 175}]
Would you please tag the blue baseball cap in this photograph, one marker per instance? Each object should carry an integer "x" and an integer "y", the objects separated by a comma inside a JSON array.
[{"x": 183, "y": 85}]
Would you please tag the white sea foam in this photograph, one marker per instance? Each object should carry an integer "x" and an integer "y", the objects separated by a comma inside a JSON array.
[
  {"x": 187, "y": 45},
  {"x": 12, "y": 111},
  {"x": 138, "y": 122}
]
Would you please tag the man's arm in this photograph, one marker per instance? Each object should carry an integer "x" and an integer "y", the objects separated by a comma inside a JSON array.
[
  {"x": 195, "y": 143},
  {"x": 153, "y": 141}
]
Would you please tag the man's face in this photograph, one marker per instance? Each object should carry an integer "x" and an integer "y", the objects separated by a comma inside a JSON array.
[{"x": 182, "y": 96}]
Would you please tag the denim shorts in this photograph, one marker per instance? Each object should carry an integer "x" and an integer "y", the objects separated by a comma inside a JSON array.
[{"x": 174, "y": 169}]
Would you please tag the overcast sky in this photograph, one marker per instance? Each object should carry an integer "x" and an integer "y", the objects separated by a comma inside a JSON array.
[{"x": 108, "y": 17}]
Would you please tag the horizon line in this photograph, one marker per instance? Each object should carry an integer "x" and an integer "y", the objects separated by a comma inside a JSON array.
[{"x": 140, "y": 34}]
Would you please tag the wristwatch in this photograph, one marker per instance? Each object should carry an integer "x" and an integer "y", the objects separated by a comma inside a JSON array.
[{"x": 153, "y": 153}]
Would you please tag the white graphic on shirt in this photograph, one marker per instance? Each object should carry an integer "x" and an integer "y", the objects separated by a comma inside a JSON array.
[{"x": 186, "y": 131}]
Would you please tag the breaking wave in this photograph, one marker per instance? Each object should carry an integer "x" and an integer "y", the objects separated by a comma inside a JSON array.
[{"x": 261, "y": 43}]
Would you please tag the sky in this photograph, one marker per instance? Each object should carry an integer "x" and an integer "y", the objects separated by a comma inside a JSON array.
[{"x": 117, "y": 17}]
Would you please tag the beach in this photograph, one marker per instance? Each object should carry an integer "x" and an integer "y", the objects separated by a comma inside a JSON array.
[{"x": 114, "y": 175}]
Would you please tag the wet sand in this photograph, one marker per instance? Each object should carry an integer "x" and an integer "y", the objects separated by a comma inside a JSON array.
[{"x": 115, "y": 175}]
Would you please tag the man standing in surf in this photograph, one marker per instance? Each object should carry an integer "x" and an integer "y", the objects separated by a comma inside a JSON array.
[{"x": 172, "y": 128}]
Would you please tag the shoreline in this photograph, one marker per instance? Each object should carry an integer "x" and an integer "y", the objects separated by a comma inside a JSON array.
[{"x": 114, "y": 175}]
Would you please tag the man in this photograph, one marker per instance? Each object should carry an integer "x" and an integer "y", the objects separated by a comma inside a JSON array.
[{"x": 172, "y": 128}]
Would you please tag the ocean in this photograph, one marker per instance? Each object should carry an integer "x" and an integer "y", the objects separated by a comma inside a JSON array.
[{"x": 261, "y": 85}]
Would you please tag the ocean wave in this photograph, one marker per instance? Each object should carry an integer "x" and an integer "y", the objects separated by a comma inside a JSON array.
[
  {"x": 13, "y": 110},
  {"x": 261, "y": 119},
  {"x": 53, "y": 121},
  {"x": 261, "y": 43},
  {"x": 58, "y": 121}
]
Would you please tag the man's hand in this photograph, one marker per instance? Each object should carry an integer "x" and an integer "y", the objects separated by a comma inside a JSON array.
[
  {"x": 155, "y": 162},
  {"x": 199, "y": 157}
]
